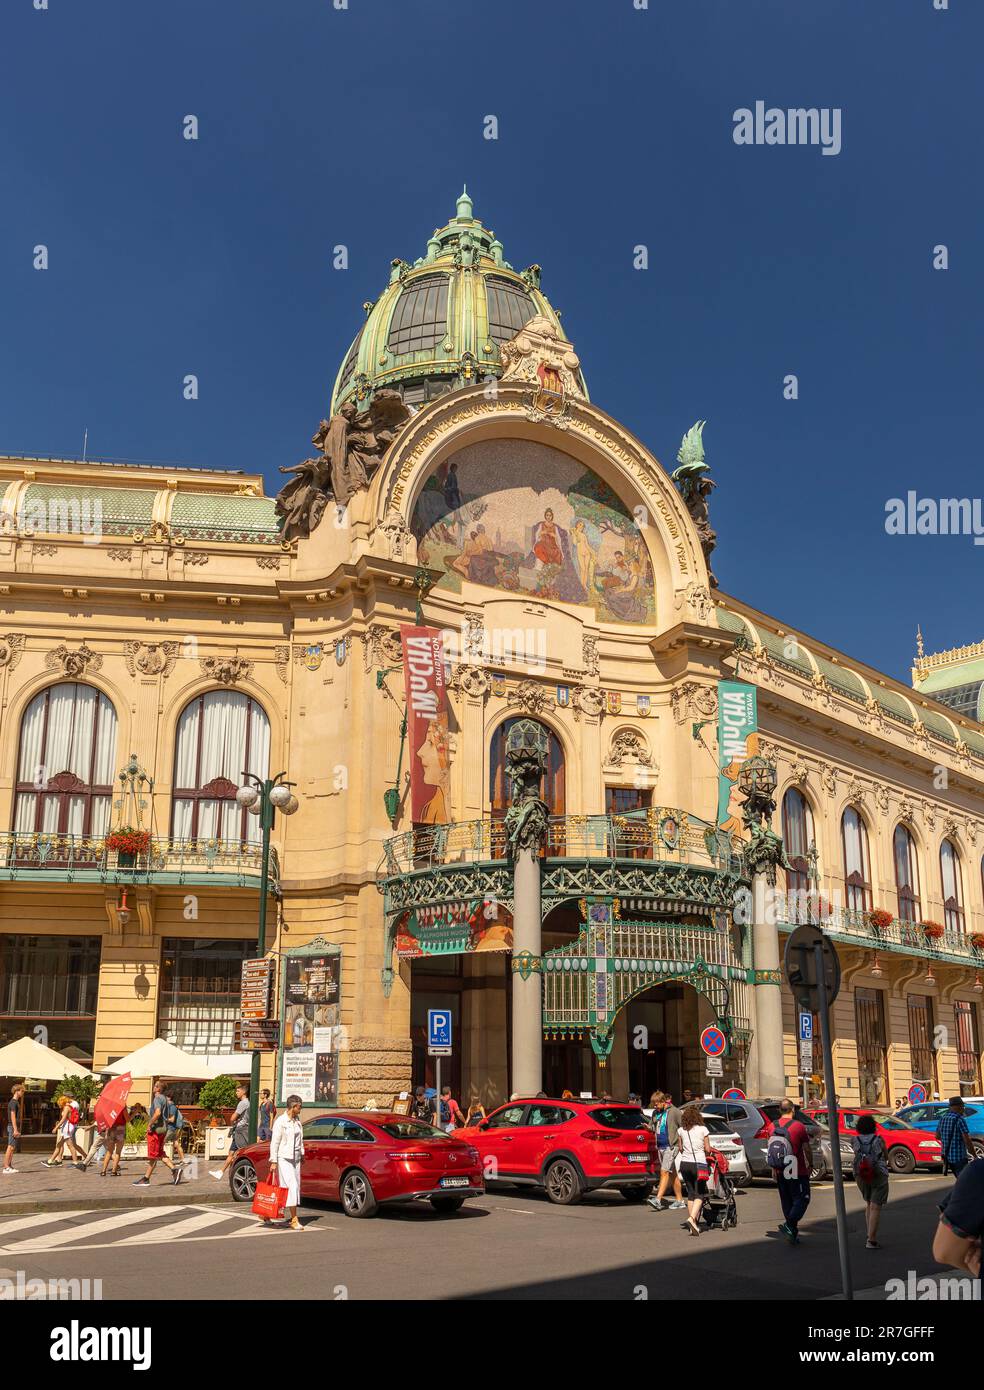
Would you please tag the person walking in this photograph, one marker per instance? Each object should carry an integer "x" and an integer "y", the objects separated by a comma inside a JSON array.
[
  {"x": 15, "y": 1111},
  {"x": 109, "y": 1143},
  {"x": 156, "y": 1133},
  {"x": 666, "y": 1123},
  {"x": 238, "y": 1133},
  {"x": 174, "y": 1123},
  {"x": 267, "y": 1115},
  {"x": 421, "y": 1107},
  {"x": 64, "y": 1130},
  {"x": 286, "y": 1156},
  {"x": 953, "y": 1133},
  {"x": 476, "y": 1113},
  {"x": 449, "y": 1111},
  {"x": 870, "y": 1174},
  {"x": 788, "y": 1155},
  {"x": 694, "y": 1163}
]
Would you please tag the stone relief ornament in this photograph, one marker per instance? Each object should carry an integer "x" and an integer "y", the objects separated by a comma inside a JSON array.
[
  {"x": 587, "y": 700},
  {"x": 629, "y": 747},
  {"x": 150, "y": 658},
  {"x": 906, "y": 810},
  {"x": 697, "y": 598},
  {"x": 73, "y": 664},
  {"x": 381, "y": 646},
  {"x": 799, "y": 772},
  {"x": 11, "y": 649},
  {"x": 471, "y": 681},
  {"x": 855, "y": 793},
  {"x": 281, "y": 658},
  {"x": 929, "y": 815},
  {"x": 533, "y": 698},
  {"x": 881, "y": 796},
  {"x": 474, "y": 635},
  {"x": 397, "y": 535},
  {"x": 696, "y": 486},
  {"x": 973, "y": 830},
  {"x": 540, "y": 356},
  {"x": 692, "y": 700},
  {"x": 227, "y": 670},
  {"x": 589, "y": 655},
  {"x": 770, "y": 751},
  {"x": 951, "y": 830},
  {"x": 350, "y": 446},
  {"x": 829, "y": 779}
]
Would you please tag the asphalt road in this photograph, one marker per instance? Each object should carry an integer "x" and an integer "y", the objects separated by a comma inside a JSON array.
[{"x": 509, "y": 1244}]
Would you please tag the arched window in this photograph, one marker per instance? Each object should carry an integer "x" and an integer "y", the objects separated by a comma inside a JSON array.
[
  {"x": 67, "y": 762},
  {"x": 953, "y": 917},
  {"x": 797, "y": 835},
  {"x": 221, "y": 734},
  {"x": 552, "y": 784},
  {"x": 906, "y": 874},
  {"x": 857, "y": 865}
]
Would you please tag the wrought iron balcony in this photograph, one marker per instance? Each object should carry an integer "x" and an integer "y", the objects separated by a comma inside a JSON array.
[
  {"x": 85, "y": 859},
  {"x": 661, "y": 854},
  {"x": 854, "y": 926}
]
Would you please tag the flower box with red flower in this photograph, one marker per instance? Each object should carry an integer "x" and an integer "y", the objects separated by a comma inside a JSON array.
[
  {"x": 879, "y": 920},
  {"x": 977, "y": 941},
  {"x": 932, "y": 930},
  {"x": 128, "y": 843}
]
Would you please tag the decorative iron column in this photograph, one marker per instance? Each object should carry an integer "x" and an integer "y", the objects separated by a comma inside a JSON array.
[
  {"x": 526, "y": 828},
  {"x": 764, "y": 853}
]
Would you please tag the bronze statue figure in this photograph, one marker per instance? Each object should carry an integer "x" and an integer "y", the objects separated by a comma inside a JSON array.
[
  {"x": 350, "y": 446},
  {"x": 696, "y": 487}
]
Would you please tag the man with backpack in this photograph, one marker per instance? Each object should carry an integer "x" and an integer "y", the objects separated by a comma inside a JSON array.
[
  {"x": 870, "y": 1174},
  {"x": 788, "y": 1155},
  {"x": 449, "y": 1111}
]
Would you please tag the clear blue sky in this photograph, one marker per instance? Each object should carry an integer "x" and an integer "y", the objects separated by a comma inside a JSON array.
[{"x": 320, "y": 126}]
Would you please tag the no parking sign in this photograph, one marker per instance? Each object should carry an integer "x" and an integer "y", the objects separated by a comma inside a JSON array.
[
  {"x": 713, "y": 1041},
  {"x": 917, "y": 1094}
]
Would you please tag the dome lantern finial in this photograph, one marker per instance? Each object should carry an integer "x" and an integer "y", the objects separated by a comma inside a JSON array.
[{"x": 464, "y": 209}]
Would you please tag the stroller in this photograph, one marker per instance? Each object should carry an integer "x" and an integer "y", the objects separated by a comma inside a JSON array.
[{"x": 720, "y": 1208}]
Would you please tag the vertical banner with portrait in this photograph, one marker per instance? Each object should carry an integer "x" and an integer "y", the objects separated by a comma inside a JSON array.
[
  {"x": 311, "y": 1023},
  {"x": 737, "y": 740},
  {"x": 427, "y": 725}
]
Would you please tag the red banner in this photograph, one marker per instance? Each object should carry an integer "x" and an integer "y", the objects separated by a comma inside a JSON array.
[{"x": 427, "y": 725}]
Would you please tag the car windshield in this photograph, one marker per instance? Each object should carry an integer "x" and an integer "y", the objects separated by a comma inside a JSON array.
[
  {"x": 619, "y": 1117},
  {"x": 892, "y": 1122},
  {"x": 715, "y": 1125},
  {"x": 411, "y": 1129}
]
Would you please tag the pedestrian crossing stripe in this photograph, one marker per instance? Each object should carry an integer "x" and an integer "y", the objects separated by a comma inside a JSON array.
[{"x": 69, "y": 1230}]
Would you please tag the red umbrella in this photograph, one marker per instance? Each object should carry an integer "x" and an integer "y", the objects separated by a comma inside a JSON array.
[{"x": 112, "y": 1100}]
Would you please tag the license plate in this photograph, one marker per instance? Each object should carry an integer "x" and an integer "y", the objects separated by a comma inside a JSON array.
[
  {"x": 637, "y": 1158},
  {"x": 454, "y": 1182}
]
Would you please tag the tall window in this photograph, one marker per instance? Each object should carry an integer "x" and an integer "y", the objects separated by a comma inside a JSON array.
[
  {"x": 953, "y": 916},
  {"x": 797, "y": 834},
  {"x": 510, "y": 309},
  {"x": 420, "y": 319},
  {"x": 553, "y": 785},
  {"x": 906, "y": 874},
  {"x": 968, "y": 1046},
  {"x": 857, "y": 865},
  {"x": 922, "y": 1052},
  {"x": 869, "y": 1018},
  {"x": 67, "y": 762},
  {"x": 220, "y": 735},
  {"x": 49, "y": 976},
  {"x": 199, "y": 994}
]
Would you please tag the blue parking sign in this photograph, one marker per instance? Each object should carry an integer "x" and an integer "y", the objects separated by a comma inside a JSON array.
[
  {"x": 806, "y": 1027},
  {"x": 438, "y": 1027}
]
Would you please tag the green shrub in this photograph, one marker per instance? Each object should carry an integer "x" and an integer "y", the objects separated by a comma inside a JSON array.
[
  {"x": 82, "y": 1089},
  {"x": 136, "y": 1130},
  {"x": 218, "y": 1094}
]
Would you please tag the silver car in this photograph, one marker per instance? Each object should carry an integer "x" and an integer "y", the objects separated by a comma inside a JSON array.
[{"x": 751, "y": 1120}]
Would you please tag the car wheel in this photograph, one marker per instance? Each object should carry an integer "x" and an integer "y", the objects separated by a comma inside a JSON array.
[
  {"x": 978, "y": 1149},
  {"x": 243, "y": 1181},
  {"x": 563, "y": 1183},
  {"x": 901, "y": 1159},
  {"x": 638, "y": 1192},
  {"x": 447, "y": 1205},
  {"x": 357, "y": 1195}
]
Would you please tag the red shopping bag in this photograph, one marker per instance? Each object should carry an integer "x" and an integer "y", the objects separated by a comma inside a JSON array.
[{"x": 269, "y": 1201}]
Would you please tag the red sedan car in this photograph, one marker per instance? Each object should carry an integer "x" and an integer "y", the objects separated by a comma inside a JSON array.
[
  {"x": 907, "y": 1146},
  {"x": 368, "y": 1159},
  {"x": 568, "y": 1147}
]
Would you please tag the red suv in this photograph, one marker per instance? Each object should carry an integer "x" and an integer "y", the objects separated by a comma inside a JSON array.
[{"x": 568, "y": 1147}]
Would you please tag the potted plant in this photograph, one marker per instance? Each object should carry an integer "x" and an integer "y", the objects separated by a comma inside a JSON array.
[
  {"x": 128, "y": 842},
  {"x": 879, "y": 919},
  {"x": 932, "y": 930},
  {"x": 977, "y": 941},
  {"x": 216, "y": 1096},
  {"x": 136, "y": 1137}
]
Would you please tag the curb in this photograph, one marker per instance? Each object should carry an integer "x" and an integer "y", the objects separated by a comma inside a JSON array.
[{"x": 176, "y": 1197}]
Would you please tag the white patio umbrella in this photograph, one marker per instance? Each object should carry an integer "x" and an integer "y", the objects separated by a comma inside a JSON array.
[
  {"x": 27, "y": 1058},
  {"x": 228, "y": 1063},
  {"x": 160, "y": 1058}
]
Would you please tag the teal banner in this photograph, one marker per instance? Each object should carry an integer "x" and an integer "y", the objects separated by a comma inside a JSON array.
[{"x": 737, "y": 740}]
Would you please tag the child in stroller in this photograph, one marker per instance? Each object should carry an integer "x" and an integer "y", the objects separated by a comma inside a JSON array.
[{"x": 720, "y": 1208}]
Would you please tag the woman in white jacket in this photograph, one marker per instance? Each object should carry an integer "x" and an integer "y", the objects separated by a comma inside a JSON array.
[{"x": 286, "y": 1153}]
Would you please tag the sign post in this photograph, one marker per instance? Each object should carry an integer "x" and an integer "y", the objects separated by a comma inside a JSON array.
[
  {"x": 438, "y": 1046},
  {"x": 813, "y": 971},
  {"x": 714, "y": 1044},
  {"x": 806, "y": 1052}
]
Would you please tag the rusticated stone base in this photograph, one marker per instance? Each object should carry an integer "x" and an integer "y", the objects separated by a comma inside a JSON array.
[{"x": 374, "y": 1069}]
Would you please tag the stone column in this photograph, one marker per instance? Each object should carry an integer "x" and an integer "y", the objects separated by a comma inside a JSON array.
[{"x": 526, "y": 826}]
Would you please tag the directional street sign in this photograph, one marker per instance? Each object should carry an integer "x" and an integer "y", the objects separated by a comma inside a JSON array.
[
  {"x": 439, "y": 1032},
  {"x": 713, "y": 1041},
  {"x": 715, "y": 1067}
]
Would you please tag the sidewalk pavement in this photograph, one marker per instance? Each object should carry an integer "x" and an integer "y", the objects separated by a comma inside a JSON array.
[{"x": 37, "y": 1188}]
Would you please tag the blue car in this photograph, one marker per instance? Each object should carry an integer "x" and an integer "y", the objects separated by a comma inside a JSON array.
[{"x": 927, "y": 1117}]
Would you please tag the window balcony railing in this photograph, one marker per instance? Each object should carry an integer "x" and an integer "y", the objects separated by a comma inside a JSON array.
[
  {"x": 856, "y": 925},
  {"x": 660, "y": 835},
  {"x": 85, "y": 858}
]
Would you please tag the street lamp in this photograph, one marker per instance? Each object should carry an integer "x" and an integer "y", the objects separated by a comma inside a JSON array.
[{"x": 263, "y": 798}]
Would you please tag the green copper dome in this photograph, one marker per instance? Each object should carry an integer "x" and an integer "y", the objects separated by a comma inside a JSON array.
[{"x": 439, "y": 323}]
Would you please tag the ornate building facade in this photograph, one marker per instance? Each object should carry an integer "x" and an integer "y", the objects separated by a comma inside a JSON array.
[{"x": 164, "y": 631}]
